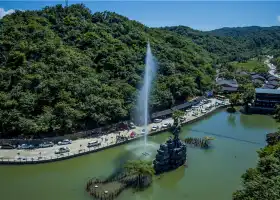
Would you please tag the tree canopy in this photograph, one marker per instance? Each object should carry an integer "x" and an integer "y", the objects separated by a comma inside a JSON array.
[
  {"x": 64, "y": 69},
  {"x": 277, "y": 113},
  {"x": 234, "y": 44},
  {"x": 234, "y": 99},
  {"x": 176, "y": 115},
  {"x": 248, "y": 93},
  {"x": 262, "y": 182},
  {"x": 141, "y": 169}
]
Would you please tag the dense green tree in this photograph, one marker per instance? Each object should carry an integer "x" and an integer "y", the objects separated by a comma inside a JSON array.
[
  {"x": 243, "y": 79},
  {"x": 256, "y": 39},
  {"x": 248, "y": 95},
  {"x": 176, "y": 115},
  {"x": 140, "y": 168},
  {"x": 277, "y": 113},
  {"x": 234, "y": 44},
  {"x": 234, "y": 99},
  {"x": 64, "y": 69},
  {"x": 273, "y": 138},
  {"x": 262, "y": 182}
]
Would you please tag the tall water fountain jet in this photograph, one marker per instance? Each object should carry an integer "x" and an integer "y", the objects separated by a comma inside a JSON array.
[{"x": 142, "y": 114}]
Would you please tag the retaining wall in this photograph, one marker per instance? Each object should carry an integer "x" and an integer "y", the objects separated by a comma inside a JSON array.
[
  {"x": 84, "y": 134},
  {"x": 19, "y": 162}
]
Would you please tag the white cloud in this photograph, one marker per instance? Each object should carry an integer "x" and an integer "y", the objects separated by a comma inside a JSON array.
[
  {"x": 278, "y": 18},
  {"x": 3, "y": 12}
]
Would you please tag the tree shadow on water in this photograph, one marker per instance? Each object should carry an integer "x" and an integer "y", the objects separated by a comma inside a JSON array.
[
  {"x": 232, "y": 120},
  {"x": 169, "y": 180}
]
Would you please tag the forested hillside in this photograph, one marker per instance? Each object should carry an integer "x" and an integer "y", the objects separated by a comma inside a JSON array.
[
  {"x": 223, "y": 48},
  {"x": 66, "y": 69},
  {"x": 234, "y": 44},
  {"x": 266, "y": 38}
]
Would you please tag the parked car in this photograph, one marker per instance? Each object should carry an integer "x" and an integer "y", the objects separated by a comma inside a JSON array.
[
  {"x": 93, "y": 144},
  {"x": 22, "y": 146},
  {"x": 131, "y": 125},
  {"x": 31, "y": 146},
  {"x": 65, "y": 142},
  {"x": 46, "y": 144},
  {"x": 26, "y": 146},
  {"x": 62, "y": 150},
  {"x": 143, "y": 132},
  {"x": 154, "y": 128},
  {"x": 21, "y": 158},
  {"x": 182, "y": 119},
  {"x": 132, "y": 134},
  {"x": 7, "y": 146},
  {"x": 165, "y": 125},
  {"x": 157, "y": 120}
]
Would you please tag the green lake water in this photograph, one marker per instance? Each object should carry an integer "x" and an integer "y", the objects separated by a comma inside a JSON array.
[{"x": 211, "y": 174}]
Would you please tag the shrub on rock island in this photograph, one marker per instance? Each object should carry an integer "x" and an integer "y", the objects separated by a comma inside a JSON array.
[{"x": 231, "y": 109}]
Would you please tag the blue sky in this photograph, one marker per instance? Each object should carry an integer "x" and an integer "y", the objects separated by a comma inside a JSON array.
[{"x": 200, "y": 15}]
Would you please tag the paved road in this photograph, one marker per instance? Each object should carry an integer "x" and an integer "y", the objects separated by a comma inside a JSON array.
[
  {"x": 272, "y": 68},
  {"x": 105, "y": 140}
]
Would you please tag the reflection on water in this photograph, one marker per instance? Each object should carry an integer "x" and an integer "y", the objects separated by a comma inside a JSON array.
[
  {"x": 231, "y": 120},
  {"x": 134, "y": 151},
  {"x": 211, "y": 174},
  {"x": 143, "y": 151},
  {"x": 169, "y": 180},
  {"x": 255, "y": 122},
  {"x": 211, "y": 149}
]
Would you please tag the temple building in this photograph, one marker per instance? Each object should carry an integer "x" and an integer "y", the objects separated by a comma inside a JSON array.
[
  {"x": 266, "y": 100},
  {"x": 227, "y": 86}
]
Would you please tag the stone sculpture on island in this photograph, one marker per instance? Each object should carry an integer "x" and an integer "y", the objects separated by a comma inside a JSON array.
[{"x": 172, "y": 154}]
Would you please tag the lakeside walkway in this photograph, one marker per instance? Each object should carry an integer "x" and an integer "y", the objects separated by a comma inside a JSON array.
[{"x": 79, "y": 147}]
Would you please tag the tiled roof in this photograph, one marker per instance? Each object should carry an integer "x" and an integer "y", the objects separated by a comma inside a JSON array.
[
  {"x": 230, "y": 89},
  {"x": 267, "y": 86},
  {"x": 267, "y": 91},
  {"x": 187, "y": 104},
  {"x": 231, "y": 83},
  {"x": 257, "y": 76},
  {"x": 258, "y": 81},
  {"x": 243, "y": 73},
  {"x": 162, "y": 113},
  {"x": 271, "y": 78},
  {"x": 272, "y": 83},
  {"x": 178, "y": 107}
]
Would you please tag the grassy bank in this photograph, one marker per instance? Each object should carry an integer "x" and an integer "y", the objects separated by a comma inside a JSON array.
[{"x": 253, "y": 65}]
